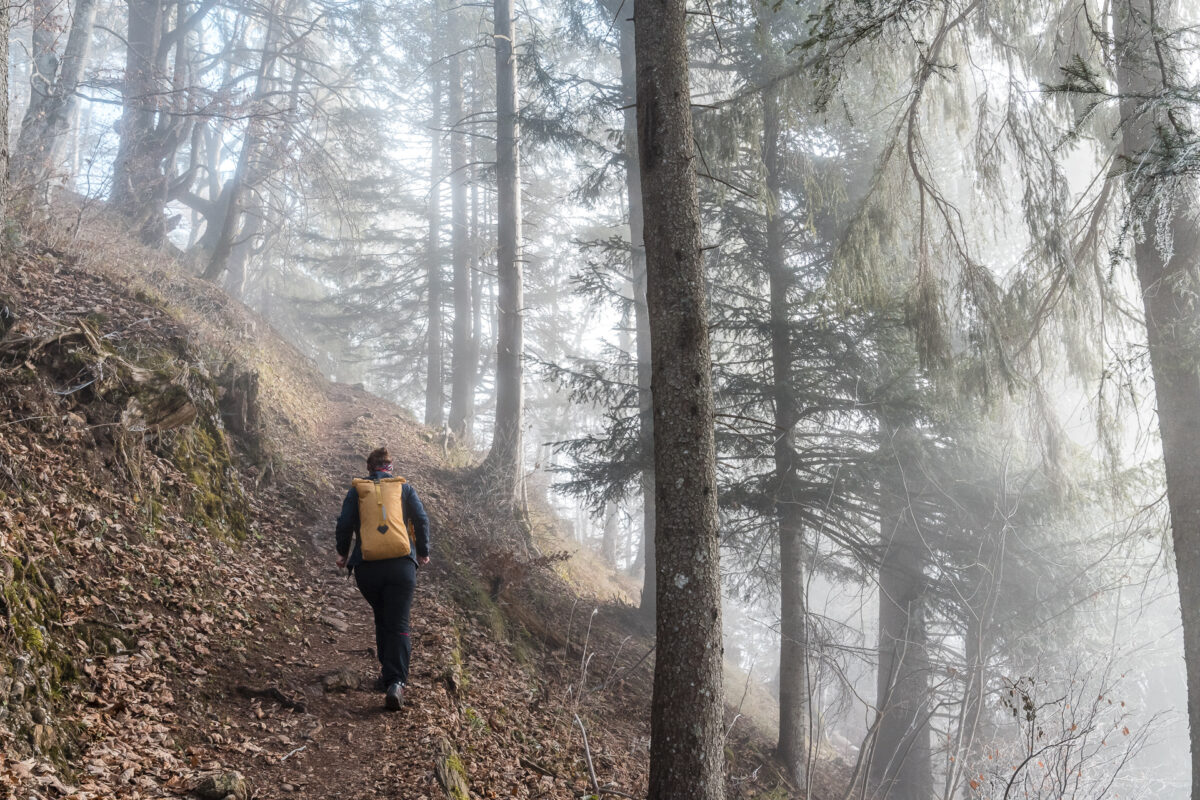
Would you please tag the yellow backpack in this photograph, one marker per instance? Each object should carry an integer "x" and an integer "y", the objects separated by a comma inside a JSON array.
[{"x": 382, "y": 530}]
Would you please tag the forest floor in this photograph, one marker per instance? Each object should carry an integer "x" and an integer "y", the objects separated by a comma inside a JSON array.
[{"x": 174, "y": 624}]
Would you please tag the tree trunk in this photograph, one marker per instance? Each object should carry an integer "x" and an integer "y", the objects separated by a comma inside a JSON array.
[
  {"x": 434, "y": 376},
  {"x": 792, "y": 747},
  {"x": 43, "y": 74},
  {"x": 139, "y": 189},
  {"x": 462, "y": 391},
  {"x": 5, "y": 25},
  {"x": 503, "y": 465},
  {"x": 637, "y": 245},
  {"x": 474, "y": 365},
  {"x": 1167, "y": 275},
  {"x": 608, "y": 542},
  {"x": 687, "y": 734},
  {"x": 243, "y": 248},
  {"x": 47, "y": 121},
  {"x": 900, "y": 767}
]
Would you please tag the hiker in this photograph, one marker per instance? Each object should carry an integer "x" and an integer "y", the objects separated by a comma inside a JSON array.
[{"x": 392, "y": 539}]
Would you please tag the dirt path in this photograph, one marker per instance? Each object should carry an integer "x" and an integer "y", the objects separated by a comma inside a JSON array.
[
  {"x": 472, "y": 699},
  {"x": 343, "y": 744},
  {"x": 338, "y": 741}
]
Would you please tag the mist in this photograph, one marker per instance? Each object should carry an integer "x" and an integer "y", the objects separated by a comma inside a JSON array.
[{"x": 872, "y": 331}]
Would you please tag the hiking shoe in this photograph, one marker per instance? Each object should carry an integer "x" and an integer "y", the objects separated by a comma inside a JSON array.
[{"x": 394, "y": 696}]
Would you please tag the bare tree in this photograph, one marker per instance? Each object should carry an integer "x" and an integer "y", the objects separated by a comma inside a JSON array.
[
  {"x": 52, "y": 98},
  {"x": 641, "y": 316},
  {"x": 153, "y": 119}
]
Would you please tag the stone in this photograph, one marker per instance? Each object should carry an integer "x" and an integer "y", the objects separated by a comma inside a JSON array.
[
  {"x": 338, "y": 625},
  {"x": 45, "y": 738},
  {"x": 344, "y": 680},
  {"x": 221, "y": 785}
]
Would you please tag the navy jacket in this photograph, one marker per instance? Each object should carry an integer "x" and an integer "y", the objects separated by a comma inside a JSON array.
[{"x": 347, "y": 524}]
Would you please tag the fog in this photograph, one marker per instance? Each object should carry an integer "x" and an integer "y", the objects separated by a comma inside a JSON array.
[{"x": 926, "y": 241}]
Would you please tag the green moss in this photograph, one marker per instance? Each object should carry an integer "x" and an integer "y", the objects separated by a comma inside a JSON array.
[
  {"x": 215, "y": 499},
  {"x": 32, "y": 638},
  {"x": 454, "y": 765},
  {"x": 474, "y": 720}
]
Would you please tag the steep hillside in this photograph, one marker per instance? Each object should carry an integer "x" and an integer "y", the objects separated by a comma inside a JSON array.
[{"x": 173, "y": 622}]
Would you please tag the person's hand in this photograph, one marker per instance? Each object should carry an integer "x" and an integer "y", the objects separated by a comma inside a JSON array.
[
  {"x": 422, "y": 560},
  {"x": 341, "y": 562}
]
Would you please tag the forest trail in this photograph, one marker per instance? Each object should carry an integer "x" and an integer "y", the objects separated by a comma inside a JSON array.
[
  {"x": 342, "y": 743},
  {"x": 174, "y": 617}
]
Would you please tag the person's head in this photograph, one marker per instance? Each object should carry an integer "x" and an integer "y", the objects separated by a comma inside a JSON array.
[{"x": 379, "y": 460}]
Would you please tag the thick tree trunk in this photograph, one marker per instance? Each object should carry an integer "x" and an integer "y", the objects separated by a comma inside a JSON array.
[
  {"x": 687, "y": 736},
  {"x": 1167, "y": 273},
  {"x": 434, "y": 389},
  {"x": 792, "y": 747},
  {"x": 462, "y": 368},
  {"x": 900, "y": 767},
  {"x": 503, "y": 465},
  {"x": 139, "y": 184},
  {"x": 47, "y": 121},
  {"x": 637, "y": 245}
]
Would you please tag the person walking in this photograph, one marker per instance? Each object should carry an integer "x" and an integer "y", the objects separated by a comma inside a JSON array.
[{"x": 383, "y": 552}]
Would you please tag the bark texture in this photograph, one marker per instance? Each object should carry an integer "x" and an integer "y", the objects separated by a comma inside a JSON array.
[
  {"x": 503, "y": 465},
  {"x": 686, "y": 749},
  {"x": 1147, "y": 68}
]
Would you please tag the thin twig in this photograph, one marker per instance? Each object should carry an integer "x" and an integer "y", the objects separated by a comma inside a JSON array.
[
  {"x": 289, "y": 755},
  {"x": 587, "y": 751}
]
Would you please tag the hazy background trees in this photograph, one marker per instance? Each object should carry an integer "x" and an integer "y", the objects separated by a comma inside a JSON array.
[{"x": 947, "y": 250}]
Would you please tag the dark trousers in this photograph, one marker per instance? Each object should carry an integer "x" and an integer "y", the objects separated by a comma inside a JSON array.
[{"x": 388, "y": 586}]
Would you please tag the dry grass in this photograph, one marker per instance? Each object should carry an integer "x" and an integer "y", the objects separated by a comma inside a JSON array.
[{"x": 294, "y": 395}]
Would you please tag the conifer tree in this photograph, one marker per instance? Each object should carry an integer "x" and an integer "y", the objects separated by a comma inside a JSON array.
[
  {"x": 686, "y": 749},
  {"x": 504, "y": 466}
]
